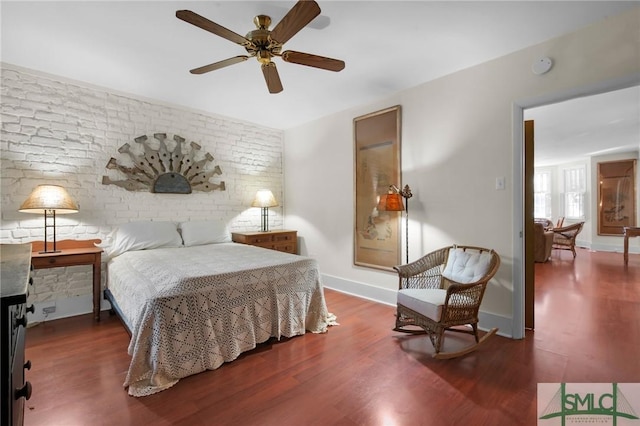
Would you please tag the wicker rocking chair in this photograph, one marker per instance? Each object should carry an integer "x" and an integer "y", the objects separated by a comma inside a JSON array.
[{"x": 442, "y": 291}]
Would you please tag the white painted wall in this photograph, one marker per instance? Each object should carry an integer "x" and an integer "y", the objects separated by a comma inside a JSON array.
[
  {"x": 459, "y": 133},
  {"x": 64, "y": 132}
]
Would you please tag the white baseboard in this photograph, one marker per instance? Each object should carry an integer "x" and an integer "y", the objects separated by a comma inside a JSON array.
[
  {"x": 64, "y": 308},
  {"x": 388, "y": 297},
  {"x": 614, "y": 248},
  {"x": 358, "y": 289},
  {"x": 502, "y": 323},
  {"x": 81, "y": 305}
]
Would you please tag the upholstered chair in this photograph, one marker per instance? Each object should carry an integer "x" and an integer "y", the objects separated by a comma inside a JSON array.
[{"x": 542, "y": 242}]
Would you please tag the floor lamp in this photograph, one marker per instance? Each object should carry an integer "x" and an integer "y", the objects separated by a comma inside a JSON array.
[{"x": 393, "y": 203}]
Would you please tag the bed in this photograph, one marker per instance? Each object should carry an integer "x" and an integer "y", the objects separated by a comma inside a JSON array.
[{"x": 192, "y": 307}]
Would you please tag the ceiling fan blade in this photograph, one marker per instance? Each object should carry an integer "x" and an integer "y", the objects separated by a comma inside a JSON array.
[
  {"x": 312, "y": 60},
  {"x": 271, "y": 77},
  {"x": 220, "y": 64},
  {"x": 297, "y": 18},
  {"x": 207, "y": 25}
]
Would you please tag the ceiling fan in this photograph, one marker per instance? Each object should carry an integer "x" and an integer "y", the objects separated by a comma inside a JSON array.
[{"x": 264, "y": 44}]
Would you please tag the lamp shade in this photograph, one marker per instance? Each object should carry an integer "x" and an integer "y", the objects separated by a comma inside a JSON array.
[
  {"x": 264, "y": 198},
  {"x": 393, "y": 203},
  {"x": 382, "y": 202},
  {"x": 49, "y": 197}
]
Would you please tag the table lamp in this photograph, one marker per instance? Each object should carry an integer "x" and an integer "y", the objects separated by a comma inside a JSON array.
[
  {"x": 264, "y": 199},
  {"x": 49, "y": 200}
]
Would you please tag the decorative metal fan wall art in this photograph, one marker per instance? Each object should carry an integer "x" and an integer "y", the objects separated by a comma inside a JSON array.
[
  {"x": 265, "y": 44},
  {"x": 165, "y": 170}
]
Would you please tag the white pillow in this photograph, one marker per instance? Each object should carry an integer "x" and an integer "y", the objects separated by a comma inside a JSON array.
[
  {"x": 201, "y": 232},
  {"x": 466, "y": 267},
  {"x": 140, "y": 236}
]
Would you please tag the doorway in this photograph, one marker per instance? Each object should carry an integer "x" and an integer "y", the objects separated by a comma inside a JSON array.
[{"x": 607, "y": 107}]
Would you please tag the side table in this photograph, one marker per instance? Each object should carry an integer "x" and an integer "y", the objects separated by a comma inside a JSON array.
[{"x": 72, "y": 253}]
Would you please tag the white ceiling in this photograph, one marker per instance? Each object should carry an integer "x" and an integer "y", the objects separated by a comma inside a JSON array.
[
  {"x": 142, "y": 48},
  {"x": 595, "y": 125}
]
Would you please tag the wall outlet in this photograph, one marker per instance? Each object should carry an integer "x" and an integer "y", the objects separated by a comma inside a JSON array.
[{"x": 48, "y": 310}]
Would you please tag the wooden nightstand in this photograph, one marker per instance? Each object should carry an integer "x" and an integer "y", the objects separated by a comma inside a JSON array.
[
  {"x": 281, "y": 240},
  {"x": 72, "y": 253}
]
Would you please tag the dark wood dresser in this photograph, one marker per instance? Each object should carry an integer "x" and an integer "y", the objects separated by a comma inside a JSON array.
[
  {"x": 15, "y": 269},
  {"x": 281, "y": 240}
]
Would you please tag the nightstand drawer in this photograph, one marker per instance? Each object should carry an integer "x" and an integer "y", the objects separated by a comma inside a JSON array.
[
  {"x": 287, "y": 248},
  {"x": 259, "y": 239},
  {"x": 60, "y": 261},
  {"x": 285, "y": 236}
]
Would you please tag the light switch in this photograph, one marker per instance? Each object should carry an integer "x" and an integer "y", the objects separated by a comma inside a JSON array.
[{"x": 500, "y": 183}]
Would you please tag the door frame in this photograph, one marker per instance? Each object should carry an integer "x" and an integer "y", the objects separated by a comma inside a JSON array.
[{"x": 519, "y": 252}]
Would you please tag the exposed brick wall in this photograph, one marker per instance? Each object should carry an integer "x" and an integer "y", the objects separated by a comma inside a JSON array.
[{"x": 63, "y": 132}]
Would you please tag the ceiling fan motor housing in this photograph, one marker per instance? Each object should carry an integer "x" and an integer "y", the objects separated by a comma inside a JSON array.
[{"x": 262, "y": 47}]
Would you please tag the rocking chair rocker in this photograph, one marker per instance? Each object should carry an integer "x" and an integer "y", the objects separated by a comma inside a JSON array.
[{"x": 442, "y": 291}]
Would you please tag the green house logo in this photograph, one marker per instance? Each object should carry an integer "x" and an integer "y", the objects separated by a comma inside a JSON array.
[{"x": 589, "y": 403}]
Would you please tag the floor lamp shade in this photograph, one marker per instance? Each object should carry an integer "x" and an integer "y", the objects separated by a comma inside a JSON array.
[
  {"x": 264, "y": 199},
  {"x": 392, "y": 202},
  {"x": 49, "y": 200}
]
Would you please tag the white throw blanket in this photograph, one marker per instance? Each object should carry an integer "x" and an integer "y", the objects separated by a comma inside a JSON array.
[{"x": 191, "y": 309}]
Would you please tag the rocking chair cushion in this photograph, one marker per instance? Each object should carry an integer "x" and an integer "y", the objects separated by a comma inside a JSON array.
[
  {"x": 427, "y": 302},
  {"x": 464, "y": 267}
]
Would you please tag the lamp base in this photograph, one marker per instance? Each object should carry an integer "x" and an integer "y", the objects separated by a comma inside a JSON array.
[
  {"x": 264, "y": 219},
  {"x": 48, "y": 251}
]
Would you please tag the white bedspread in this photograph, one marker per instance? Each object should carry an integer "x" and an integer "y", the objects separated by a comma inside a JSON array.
[{"x": 191, "y": 309}]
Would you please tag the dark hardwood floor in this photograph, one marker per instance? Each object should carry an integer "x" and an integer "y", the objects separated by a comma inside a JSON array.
[{"x": 360, "y": 372}]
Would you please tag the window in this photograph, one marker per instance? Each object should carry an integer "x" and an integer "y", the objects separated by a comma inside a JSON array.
[
  {"x": 574, "y": 192},
  {"x": 542, "y": 194}
]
